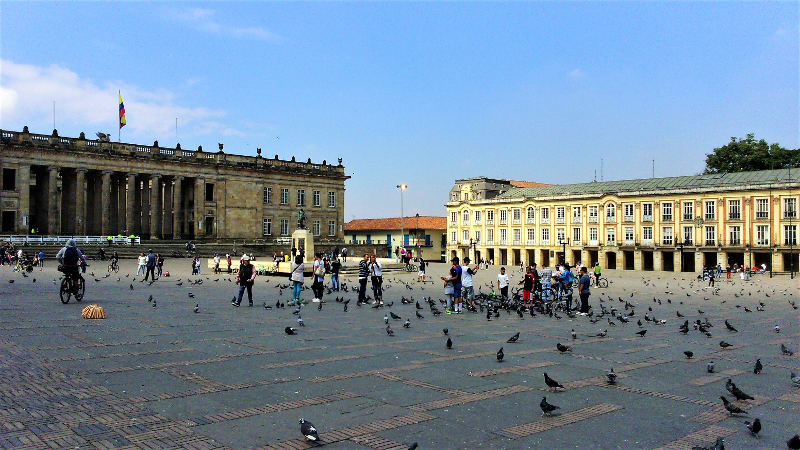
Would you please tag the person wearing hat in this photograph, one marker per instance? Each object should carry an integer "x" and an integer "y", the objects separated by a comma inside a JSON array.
[
  {"x": 245, "y": 278},
  {"x": 151, "y": 266},
  {"x": 216, "y": 263},
  {"x": 466, "y": 282},
  {"x": 455, "y": 278}
]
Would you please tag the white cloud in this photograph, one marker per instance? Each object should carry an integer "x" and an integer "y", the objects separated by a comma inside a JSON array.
[
  {"x": 577, "y": 73},
  {"x": 203, "y": 19},
  {"x": 27, "y": 93}
]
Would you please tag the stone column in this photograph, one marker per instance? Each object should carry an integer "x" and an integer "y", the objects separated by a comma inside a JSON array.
[
  {"x": 53, "y": 203},
  {"x": 155, "y": 195},
  {"x": 121, "y": 204},
  {"x": 199, "y": 204},
  {"x": 130, "y": 218},
  {"x": 219, "y": 214},
  {"x": 105, "y": 204},
  {"x": 80, "y": 201},
  {"x": 177, "y": 209},
  {"x": 24, "y": 187},
  {"x": 166, "y": 216},
  {"x": 145, "y": 222},
  {"x": 678, "y": 266}
]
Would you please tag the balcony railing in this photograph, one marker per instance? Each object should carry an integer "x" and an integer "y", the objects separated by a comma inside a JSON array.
[
  {"x": 477, "y": 221},
  {"x": 666, "y": 218},
  {"x": 576, "y": 219},
  {"x": 489, "y": 221},
  {"x": 762, "y": 242},
  {"x": 594, "y": 242},
  {"x": 515, "y": 221},
  {"x": 688, "y": 217},
  {"x": 530, "y": 221},
  {"x": 666, "y": 241},
  {"x": 592, "y": 219},
  {"x": 627, "y": 218},
  {"x": 647, "y": 218},
  {"x": 611, "y": 242},
  {"x": 762, "y": 215},
  {"x": 710, "y": 217},
  {"x": 502, "y": 241},
  {"x": 711, "y": 242},
  {"x": 545, "y": 241},
  {"x": 464, "y": 223},
  {"x": 688, "y": 242},
  {"x": 453, "y": 223},
  {"x": 545, "y": 220},
  {"x": 561, "y": 220},
  {"x": 502, "y": 221},
  {"x": 628, "y": 242},
  {"x": 490, "y": 242},
  {"x": 515, "y": 242},
  {"x": 789, "y": 215},
  {"x": 611, "y": 219},
  {"x": 736, "y": 241},
  {"x": 530, "y": 242},
  {"x": 647, "y": 242},
  {"x": 734, "y": 216},
  {"x": 575, "y": 243},
  {"x": 453, "y": 242}
]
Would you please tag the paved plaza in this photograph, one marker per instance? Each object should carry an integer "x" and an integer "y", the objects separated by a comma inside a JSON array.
[{"x": 225, "y": 377}]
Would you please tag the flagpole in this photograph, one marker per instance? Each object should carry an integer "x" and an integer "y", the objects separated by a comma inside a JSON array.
[{"x": 119, "y": 127}]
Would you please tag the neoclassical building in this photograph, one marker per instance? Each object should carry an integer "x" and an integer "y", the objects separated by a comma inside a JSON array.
[
  {"x": 76, "y": 186},
  {"x": 661, "y": 224}
]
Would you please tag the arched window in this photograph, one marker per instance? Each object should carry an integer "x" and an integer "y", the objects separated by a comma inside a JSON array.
[
  {"x": 465, "y": 217},
  {"x": 531, "y": 214}
]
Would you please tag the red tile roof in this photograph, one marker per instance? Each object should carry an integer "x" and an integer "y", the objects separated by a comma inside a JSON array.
[
  {"x": 527, "y": 184},
  {"x": 393, "y": 223}
]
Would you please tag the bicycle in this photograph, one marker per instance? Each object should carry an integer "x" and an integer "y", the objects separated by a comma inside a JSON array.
[
  {"x": 113, "y": 267},
  {"x": 70, "y": 287},
  {"x": 600, "y": 282},
  {"x": 23, "y": 265},
  {"x": 410, "y": 268}
]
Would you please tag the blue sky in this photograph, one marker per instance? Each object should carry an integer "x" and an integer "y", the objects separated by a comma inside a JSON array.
[{"x": 420, "y": 93}]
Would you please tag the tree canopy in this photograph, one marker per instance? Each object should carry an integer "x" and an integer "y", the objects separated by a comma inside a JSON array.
[{"x": 740, "y": 155}]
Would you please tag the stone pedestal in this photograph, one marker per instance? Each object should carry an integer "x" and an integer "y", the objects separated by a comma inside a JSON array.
[{"x": 305, "y": 240}]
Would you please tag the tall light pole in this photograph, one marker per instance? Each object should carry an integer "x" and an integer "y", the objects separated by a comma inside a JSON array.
[
  {"x": 402, "y": 188},
  {"x": 416, "y": 235}
]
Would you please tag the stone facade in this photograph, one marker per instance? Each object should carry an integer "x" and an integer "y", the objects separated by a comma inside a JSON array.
[
  {"x": 661, "y": 224},
  {"x": 76, "y": 186}
]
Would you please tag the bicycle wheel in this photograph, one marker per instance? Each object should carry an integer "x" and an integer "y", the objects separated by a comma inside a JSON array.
[
  {"x": 64, "y": 292},
  {"x": 116, "y": 268},
  {"x": 546, "y": 294},
  {"x": 602, "y": 282},
  {"x": 81, "y": 289}
]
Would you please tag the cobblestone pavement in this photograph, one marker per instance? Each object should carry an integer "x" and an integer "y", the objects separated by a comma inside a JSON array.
[{"x": 165, "y": 377}]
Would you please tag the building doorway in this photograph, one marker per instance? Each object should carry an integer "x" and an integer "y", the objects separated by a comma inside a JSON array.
[
  {"x": 531, "y": 255},
  {"x": 647, "y": 261},
  {"x": 490, "y": 255},
  {"x": 594, "y": 258},
  {"x": 9, "y": 221},
  {"x": 710, "y": 259},
  {"x": 735, "y": 258},
  {"x": 503, "y": 257},
  {"x": 611, "y": 260},
  {"x": 559, "y": 258},
  {"x": 545, "y": 258},
  {"x": 517, "y": 259},
  {"x": 209, "y": 226},
  {"x": 790, "y": 261},
  {"x": 687, "y": 262},
  {"x": 667, "y": 261},
  {"x": 761, "y": 258},
  {"x": 628, "y": 260}
]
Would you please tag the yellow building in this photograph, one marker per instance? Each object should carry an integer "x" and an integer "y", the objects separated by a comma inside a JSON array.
[
  {"x": 422, "y": 235},
  {"x": 662, "y": 224}
]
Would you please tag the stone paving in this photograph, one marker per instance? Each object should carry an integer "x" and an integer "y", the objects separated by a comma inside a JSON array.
[{"x": 165, "y": 377}]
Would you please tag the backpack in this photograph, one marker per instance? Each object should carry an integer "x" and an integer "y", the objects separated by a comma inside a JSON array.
[{"x": 71, "y": 256}]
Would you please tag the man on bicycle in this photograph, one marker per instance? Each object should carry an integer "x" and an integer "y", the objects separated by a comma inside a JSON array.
[
  {"x": 69, "y": 258},
  {"x": 597, "y": 273},
  {"x": 566, "y": 281}
]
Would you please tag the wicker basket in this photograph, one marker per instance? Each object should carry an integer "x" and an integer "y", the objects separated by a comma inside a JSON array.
[{"x": 93, "y": 312}]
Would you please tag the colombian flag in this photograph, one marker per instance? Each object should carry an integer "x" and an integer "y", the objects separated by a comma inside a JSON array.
[{"x": 121, "y": 112}]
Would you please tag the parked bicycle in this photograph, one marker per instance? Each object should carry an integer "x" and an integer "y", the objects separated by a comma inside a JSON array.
[{"x": 72, "y": 288}]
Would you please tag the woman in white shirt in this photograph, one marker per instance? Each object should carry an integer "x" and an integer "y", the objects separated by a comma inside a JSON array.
[
  {"x": 377, "y": 278},
  {"x": 142, "y": 264},
  {"x": 297, "y": 278},
  {"x": 317, "y": 287}
]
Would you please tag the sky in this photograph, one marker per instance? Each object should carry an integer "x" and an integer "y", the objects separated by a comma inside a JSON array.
[{"x": 415, "y": 93}]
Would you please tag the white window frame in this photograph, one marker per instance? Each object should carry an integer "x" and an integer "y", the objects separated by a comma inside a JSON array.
[
  {"x": 687, "y": 210},
  {"x": 490, "y": 236},
  {"x": 530, "y": 236},
  {"x": 315, "y": 198},
  {"x": 477, "y": 217},
  {"x": 735, "y": 235},
  {"x": 503, "y": 216},
  {"x": 465, "y": 217},
  {"x": 647, "y": 212},
  {"x": 611, "y": 236},
  {"x": 477, "y": 236},
  {"x": 315, "y": 227},
  {"x": 734, "y": 209},
  {"x": 688, "y": 235},
  {"x": 453, "y": 218},
  {"x": 530, "y": 214},
  {"x": 593, "y": 235},
  {"x": 666, "y": 236},
  {"x": 628, "y": 212},
  {"x": 561, "y": 235},
  {"x": 331, "y": 228},
  {"x": 301, "y": 197},
  {"x": 790, "y": 235},
  {"x": 489, "y": 217},
  {"x": 284, "y": 227},
  {"x": 516, "y": 215},
  {"x": 503, "y": 236},
  {"x": 266, "y": 227},
  {"x": 666, "y": 212},
  {"x": 592, "y": 213},
  {"x": 545, "y": 236},
  {"x": 576, "y": 214},
  {"x": 561, "y": 214},
  {"x": 284, "y": 196},
  {"x": 762, "y": 208},
  {"x": 762, "y": 235},
  {"x": 331, "y": 199},
  {"x": 611, "y": 212},
  {"x": 267, "y": 195},
  {"x": 576, "y": 236},
  {"x": 453, "y": 237},
  {"x": 710, "y": 235},
  {"x": 516, "y": 236},
  {"x": 789, "y": 208},
  {"x": 710, "y": 209},
  {"x": 628, "y": 236},
  {"x": 544, "y": 215}
]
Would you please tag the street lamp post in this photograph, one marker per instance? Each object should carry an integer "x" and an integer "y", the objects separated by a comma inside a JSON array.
[
  {"x": 402, "y": 187},
  {"x": 680, "y": 245},
  {"x": 563, "y": 244},
  {"x": 416, "y": 234}
]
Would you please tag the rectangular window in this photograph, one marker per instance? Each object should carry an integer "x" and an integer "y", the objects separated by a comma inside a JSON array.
[
  {"x": 545, "y": 236},
  {"x": 284, "y": 227},
  {"x": 762, "y": 235},
  {"x": 647, "y": 234},
  {"x": 530, "y": 236},
  {"x": 576, "y": 214},
  {"x": 490, "y": 236},
  {"x": 711, "y": 210},
  {"x": 209, "y": 192},
  {"x": 266, "y": 227},
  {"x": 627, "y": 212},
  {"x": 561, "y": 236},
  {"x": 453, "y": 218},
  {"x": 629, "y": 236},
  {"x": 503, "y": 214},
  {"x": 477, "y": 237},
  {"x": 9, "y": 179},
  {"x": 560, "y": 214},
  {"x": 531, "y": 215},
  {"x": 452, "y": 237},
  {"x": 688, "y": 210},
  {"x": 267, "y": 195},
  {"x": 688, "y": 235},
  {"x": 734, "y": 209},
  {"x": 517, "y": 234},
  {"x": 545, "y": 215},
  {"x": 576, "y": 236},
  {"x": 735, "y": 235},
  {"x": 466, "y": 196},
  {"x": 331, "y": 199},
  {"x": 331, "y": 228},
  {"x": 790, "y": 208},
  {"x": 515, "y": 216},
  {"x": 315, "y": 198},
  {"x": 489, "y": 217},
  {"x": 762, "y": 208},
  {"x": 477, "y": 217},
  {"x": 611, "y": 236},
  {"x": 465, "y": 217},
  {"x": 790, "y": 235},
  {"x": 666, "y": 235},
  {"x": 711, "y": 235},
  {"x": 647, "y": 212},
  {"x": 301, "y": 197},
  {"x": 593, "y": 235},
  {"x": 503, "y": 236},
  {"x": 666, "y": 212},
  {"x": 465, "y": 236},
  {"x": 284, "y": 196},
  {"x": 593, "y": 214},
  {"x": 611, "y": 212}
]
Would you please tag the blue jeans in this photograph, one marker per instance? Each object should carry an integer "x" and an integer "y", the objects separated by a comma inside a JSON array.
[
  {"x": 335, "y": 281},
  {"x": 296, "y": 288},
  {"x": 249, "y": 288},
  {"x": 546, "y": 291},
  {"x": 140, "y": 269}
]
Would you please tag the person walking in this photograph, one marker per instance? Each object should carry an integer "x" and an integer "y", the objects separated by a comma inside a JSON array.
[
  {"x": 142, "y": 263},
  {"x": 344, "y": 254},
  {"x": 245, "y": 278},
  {"x": 456, "y": 278},
  {"x": 583, "y": 291},
  {"x": 216, "y": 263},
  {"x": 197, "y": 263},
  {"x": 363, "y": 274},
  {"x": 537, "y": 281},
  {"x": 319, "y": 277},
  {"x": 467, "y": 289},
  {"x": 41, "y": 260},
  {"x": 502, "y": 283},
  {"x": 228, "y": 258},
  {"x": 421, "y": 273},
  {"x": 449, "y": 290},
  {"x": 377, "y": 278},
  {"x": 527, "y": 287},
  {"x": 711, "y": 278},
  {"x": 566, "y": 282},
  {"x": 150, "y": 265},
  {"x": 297, "y": 278},
  {"x": 335, "y": 267},
  {"x": 159, "y": 264}
]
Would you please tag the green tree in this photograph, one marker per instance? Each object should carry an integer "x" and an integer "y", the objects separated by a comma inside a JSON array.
[{"x": 740, "y": 155}]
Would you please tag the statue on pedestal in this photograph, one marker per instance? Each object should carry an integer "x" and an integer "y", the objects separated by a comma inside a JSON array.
[{"x": 301, "y": 220}]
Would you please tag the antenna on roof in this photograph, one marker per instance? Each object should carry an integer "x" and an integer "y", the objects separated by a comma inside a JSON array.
[
  {"x": 601, "y": 169},
  {"x": 654, "y": 167},
  {"x": 595, "y": 175}
]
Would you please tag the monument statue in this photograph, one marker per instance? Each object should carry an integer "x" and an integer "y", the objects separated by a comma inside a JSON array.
[{"x": 301, "y": 219}]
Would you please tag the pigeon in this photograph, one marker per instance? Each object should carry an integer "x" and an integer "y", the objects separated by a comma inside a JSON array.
[
  {"x": 551, "y": 383},
  {"x": 563, "y": 348},
  {"x": 758, "y": 367},
  {"x": 724, "y": 344},
  {"x": 612, "y": 377},
  {"x": 777, "y": 328},
  {"x": 419, "y": 316},
  {"x": 394, "y": 316},
  {"x": 688, "y": 354},
  {"x": 513, "y": 338},
  {"x": 319, "y": 308},
  {"x": 389, "y": 330},
  {"x": 407, "y": 324},
  {"x": 449, "y": 343},
  {"x": 191, "y": 295},
  {"x": 785, "y": 350},
  {"x": 197, "y": 308},
  {"x": 573, "y": 334},
  {"x": 795, "y": 379},
  {"x": 290, "y": 330},
  {"x": 300, "y": 321},
  {"x": 500, "y": 355},
  {"x": 309, "y": 431},
  {"x": 794, "y": 443},
  {"x": 719, "y": 445},
  {"x": 677, "y": 313},
  {"x": 445, "y": 331},
  {"x": 733, "y": 409},
  {"x": 345, "y": 308},
  {"x": 710, "y": 367},
  {"x": 736, "y": 392},
  {"x": 12, "y": 282},
  {"x": 385, "y": 319},
  {"x": 547, "y": 408},
  {"x": 418, "y": 305},
  {"x": 642, "y": 332},
  {"x": 754, "y": 426},
  {"x": 131, "y": 285},
  {"x": 602, "y": 334},
  {"x": 413, "y": 446},
  {"x": 154, "y": 303},
  {"x": 150, "y": 299},
  {"x": 730, "y": 327}
]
